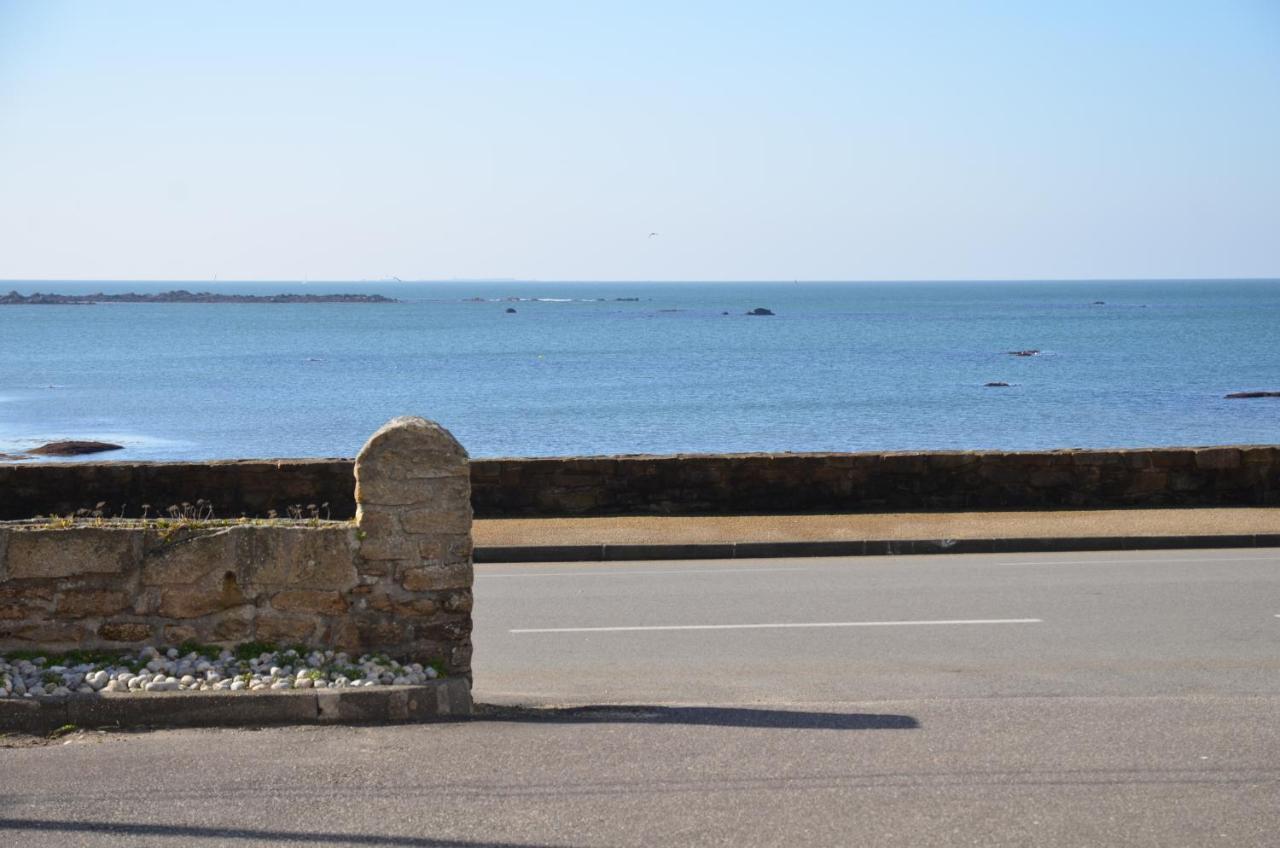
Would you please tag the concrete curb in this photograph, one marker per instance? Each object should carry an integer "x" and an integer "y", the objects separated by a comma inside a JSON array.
[
  {"x": 438, "y": 700},
  {"x": 884, "y": 547}
]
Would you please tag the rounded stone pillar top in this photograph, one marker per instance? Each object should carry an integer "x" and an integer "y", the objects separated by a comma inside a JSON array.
[
  {"x": 398, "y": 463},
  {"x": 411, "y": 433}
]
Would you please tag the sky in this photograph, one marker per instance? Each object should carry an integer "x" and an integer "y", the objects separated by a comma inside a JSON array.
[{"x": 760, "y": 141}]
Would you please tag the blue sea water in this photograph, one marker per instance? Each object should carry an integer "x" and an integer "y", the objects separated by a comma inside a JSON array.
[{"x": 845, "y": 367}]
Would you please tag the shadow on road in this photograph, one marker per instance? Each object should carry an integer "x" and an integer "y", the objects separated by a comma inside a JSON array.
[
  {"x": 222, "y": 834},
  {"x": 702, "y": 716}
]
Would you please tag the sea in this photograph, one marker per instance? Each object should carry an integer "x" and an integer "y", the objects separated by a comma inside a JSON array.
[{"x": 526, "y": 368}]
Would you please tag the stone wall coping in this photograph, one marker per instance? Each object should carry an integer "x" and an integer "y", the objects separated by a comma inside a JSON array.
[{"x": 484, "y": 460}]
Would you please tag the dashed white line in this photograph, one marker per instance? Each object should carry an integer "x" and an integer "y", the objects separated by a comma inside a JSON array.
[
  {"x": 1165, "y": 561},
  {"x": 772, "y": 626},
  {"x": 640, "y": 571}
]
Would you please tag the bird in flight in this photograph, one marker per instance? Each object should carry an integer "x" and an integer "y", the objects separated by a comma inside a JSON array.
[{"x": 651, "y": 235}]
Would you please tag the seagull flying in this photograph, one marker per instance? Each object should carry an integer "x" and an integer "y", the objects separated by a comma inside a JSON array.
[{"x": 651, "y": 235}]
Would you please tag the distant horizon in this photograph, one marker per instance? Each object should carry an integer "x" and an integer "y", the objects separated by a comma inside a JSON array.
[{"x": 586, "y": 281}]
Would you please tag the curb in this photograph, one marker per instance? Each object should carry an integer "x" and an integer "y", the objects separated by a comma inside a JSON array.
[
  {"x": 438, "y": 700},
  {"x": 886, "y": 547}
]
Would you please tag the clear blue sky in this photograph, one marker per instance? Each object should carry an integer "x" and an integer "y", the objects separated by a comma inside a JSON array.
[{"x": 841, "y": 140}]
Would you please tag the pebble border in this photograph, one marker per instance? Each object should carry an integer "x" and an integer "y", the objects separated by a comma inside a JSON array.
[{"x": 437, "y": 700}]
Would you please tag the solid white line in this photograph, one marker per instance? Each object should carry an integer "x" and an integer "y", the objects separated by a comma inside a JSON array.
[
  {"x": 586, "y": 572},
  {"x": 775, "y": 626}
]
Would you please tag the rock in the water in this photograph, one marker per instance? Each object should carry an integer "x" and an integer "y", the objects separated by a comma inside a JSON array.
[
  {"x": 73, "y": 448},
  {"x": 1028, "y": 352},
  {"x": 996, "y": 385},
  {"x": 510, "y": 311},
  {"x": 1099, "y": 303},
  {"x": 1240, "y": 395},
  {"x": 760, "y": 310}
]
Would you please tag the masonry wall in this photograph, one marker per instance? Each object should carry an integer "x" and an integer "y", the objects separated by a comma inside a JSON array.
[
  {"x": 694, "y": 484},
  {"x": 396, "y": 580}
]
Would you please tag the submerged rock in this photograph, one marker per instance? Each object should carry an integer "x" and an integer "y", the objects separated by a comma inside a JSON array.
[
  {"x": 996, "y": 385},
  {"x": 1241, "y": 395},
  {"x": 760, "y": 310},
  {"x": 73, "y": 448},
  {"x": 510, "y": 311}
]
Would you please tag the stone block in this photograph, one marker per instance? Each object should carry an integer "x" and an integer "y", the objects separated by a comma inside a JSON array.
[
  {"x": 52, "y": 635},
  {"x": 1148, "y": 483},
  {"x": 30, "y": 601},
  {"x": 71, "y": 552},
  {"x": 379, "y": 632},
  {"x": 1218, "y": 458},
  {"x": 1166, "y": 460},
  {"x": 1260, "y": 456},
  {"x": 270, "y": 627},
  {"x": 309, "y": 600},
  {"x": 176, "y": 634},
  {"x": 435, "y": 578},
  {"x": 435, "y": 550},
  {"x": 458, "y": 601},
  {"x": 416, "y": 607},
  {"x": 233, "y": 625},
  {"x": 1095, "y": 458},
  {"x": 193, "y": 709},
  {"x": 83, "y": 603},
  {"x": 406, "y": 460},
  {"x": 455, "y": 519},
  {"x": 302, "y": 558},
  {"x": 124, "y": 631},
  {"x": 194, "y": 603},
  {"x": 196, "y": 560},
  {"x": 1044, "y": 478}
]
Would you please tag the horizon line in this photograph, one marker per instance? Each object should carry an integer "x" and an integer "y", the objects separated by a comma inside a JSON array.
[{"x": 584, "y": 281}]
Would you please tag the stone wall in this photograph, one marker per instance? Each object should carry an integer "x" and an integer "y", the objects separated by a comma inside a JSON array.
[
  {"x": 252, "y": 487},
  {"x": 693, "y": 484},
  {"x": 396, "y": 580},
  {"x": 876, "y": 482}
]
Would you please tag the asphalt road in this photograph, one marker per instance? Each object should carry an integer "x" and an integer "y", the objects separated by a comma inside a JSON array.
[
  {"x": 1108, "y": 699},
  {"x": 1093, "y": 624}
]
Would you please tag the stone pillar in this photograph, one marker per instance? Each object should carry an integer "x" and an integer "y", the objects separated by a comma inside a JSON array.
[{"x": 413, "y": 512}]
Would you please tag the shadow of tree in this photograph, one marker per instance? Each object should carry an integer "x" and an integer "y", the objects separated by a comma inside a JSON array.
[{"x": 698, "y": 716}]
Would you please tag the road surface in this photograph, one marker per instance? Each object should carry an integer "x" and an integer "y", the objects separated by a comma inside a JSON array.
[{"x": 1059, "y": 700}]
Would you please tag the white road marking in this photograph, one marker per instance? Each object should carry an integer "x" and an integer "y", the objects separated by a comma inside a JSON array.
[
  {"x": 586, "y": 572},
  {"x": 776, "y": 626},
  {"x": 1165, "y": 561}
]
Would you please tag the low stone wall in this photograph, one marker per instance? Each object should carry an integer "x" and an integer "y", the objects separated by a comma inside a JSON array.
[
  {"x": 869, "y": 482},
  {"x": 691, "y": 485},
  {"x": 250, "y": 487},
  {"x": 396, "y": 580}
]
